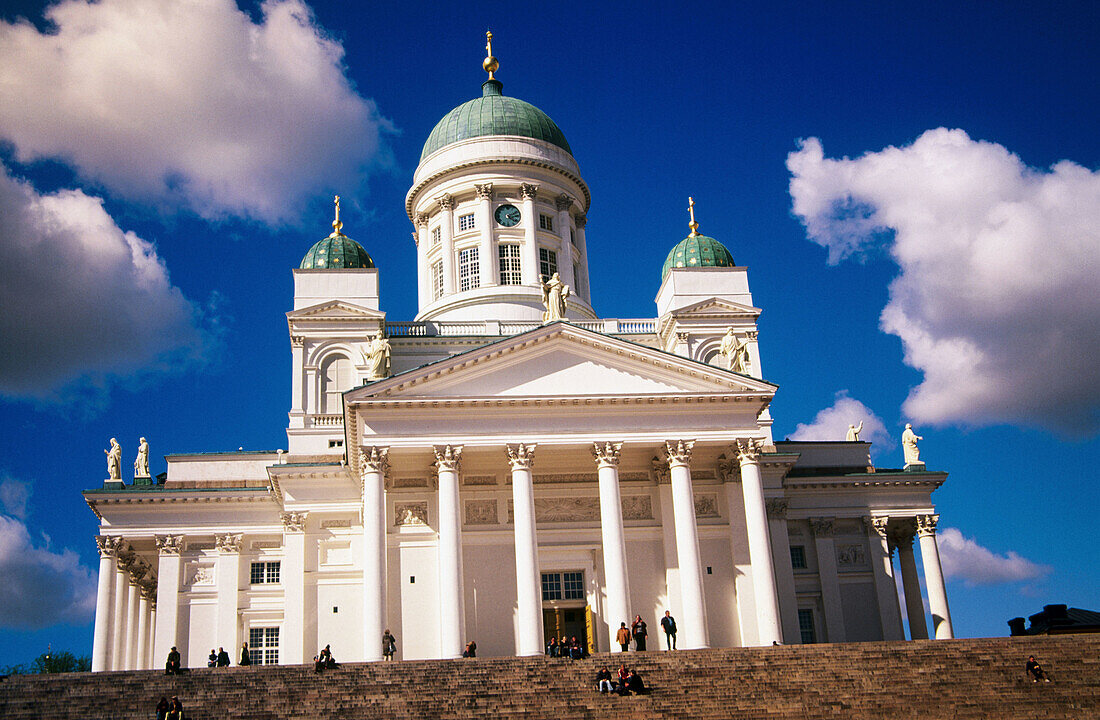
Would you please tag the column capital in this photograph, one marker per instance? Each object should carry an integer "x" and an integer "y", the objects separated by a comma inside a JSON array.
[
  {"x": 748, "y": 449},
  {"x": 581, "y": 221},
  {"x": 776, "y": 508},
  {"x": 228, "y": 543},
  {"x": 446, "y": 202},
  {"x": 169, "y": 544},
  {"x": 661, "y": 474},
  {"x": 728, "y": 470},
  {"x": 138, "y": 569},
  {"x": 148, "y": 588},
  {"x": 678, "y": 452},
  {"x": 447, "y": 457},
  {"x": 294, "y": 521},
  {"x": 521, "y": 457},
  {"x": 563, "y": 202},
  {"x": 484, "y": 192},
  {"x": 822, "y": 526},
  {"x": 108, "y": 545},
  {"x": 422, "y": 219},
  {"x": 375, "y": 459},
  {"x": 529, "y": 191},
  {"x": 297, "y": 341},
  {"x": 607, "y": 455},
  {"x": 878, "y": 524},
  {"x": 926, "y": 525}
]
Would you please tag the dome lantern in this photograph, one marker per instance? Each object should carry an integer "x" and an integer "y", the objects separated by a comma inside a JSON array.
[
  {"x": 337, "y": 251},
  {"x": 696, "y": 250}
]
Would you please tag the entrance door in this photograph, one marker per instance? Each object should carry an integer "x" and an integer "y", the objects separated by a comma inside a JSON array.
[
  {"x": 568, "y": 622},
  {"x": 564, "y": 611}
]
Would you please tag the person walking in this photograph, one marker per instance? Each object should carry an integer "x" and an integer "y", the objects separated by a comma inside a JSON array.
[
  {"x": 668, "y": 624},
  {"x": 389, "y": 645},
  {"x": 639, "y": 632},
  {"x": 623, "y": 637}
]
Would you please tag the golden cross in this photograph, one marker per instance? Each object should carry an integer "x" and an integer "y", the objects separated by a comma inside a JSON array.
[
  {"x": 488, "y": 43},
  {"x": 336, "y": 224},
  {"x": 691, "y": 209}
]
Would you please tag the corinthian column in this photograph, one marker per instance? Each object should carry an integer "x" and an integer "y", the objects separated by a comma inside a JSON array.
[
  {"x": 529, "y": 269},
  {"x": 528, "y": 583},
  {"x": 142, "y": 662},
  {"x": 885, "y": 587},
  {"x": 914, "y": 605},
  {"x": 693, "y": 624},
  {"x": 228, "y": 577},
  {"x": 485, "y": 229},
  {"x": 104, "y": 604},
  {"x": 614, "y": 540},
  {"x": 375, "y": 465},
  {"x": 122, "y": 609},
  {"x": 760, "y": 551},
  {"x": 933, "y": 577},
  {"x": 452, "y": 610},
  {"x": 565, "y": 254},
  {"x": 447, "y": 207},
  {"x": 293, "y": 577},
  {"x": 133, "y": 593},
  {"x": 168, "y": 590},
  {"x": 424, "y": 270}
]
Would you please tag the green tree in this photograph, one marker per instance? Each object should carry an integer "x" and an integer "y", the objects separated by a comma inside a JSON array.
[{"x": 50, "y": 662}]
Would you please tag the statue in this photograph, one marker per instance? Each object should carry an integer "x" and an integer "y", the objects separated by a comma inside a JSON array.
[
  {"x": 853, "y": 432},
  {"x": 141, "y": 464},
  {"x": 909, "y": 445},
  {"x": 378, "y": 358},
  {"x": 736, "y": 352},
  {"x": 114, "y": 461},
  {"x": 554, "y": 295}
]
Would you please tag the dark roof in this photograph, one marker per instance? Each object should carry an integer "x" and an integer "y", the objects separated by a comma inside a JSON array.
[{"x": 1058, "y": 619}]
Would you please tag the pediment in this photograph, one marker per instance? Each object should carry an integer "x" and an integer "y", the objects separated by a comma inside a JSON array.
[
  {"x": 716, "y": 307},
  {"x": 335, "y": 310},
  {"x": 561, "y": 360}
]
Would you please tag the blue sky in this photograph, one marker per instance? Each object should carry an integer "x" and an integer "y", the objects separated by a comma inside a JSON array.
[{"x": 161, "y": 177}]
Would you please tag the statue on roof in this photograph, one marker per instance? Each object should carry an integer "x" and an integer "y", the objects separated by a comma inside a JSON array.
[
  {"x": 141, "y": 463},
  {"x": 909, "y": 446},
  {"x": 114, "y": 461},
  {"x": 736, "y": 352},
  {"x": 555, "y": 296},
  {"x": 853, "y": 432},
  {"x": 378, "y": 357}
]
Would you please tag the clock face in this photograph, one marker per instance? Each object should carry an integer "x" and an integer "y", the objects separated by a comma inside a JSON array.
[{"x": 507, "y": 215}]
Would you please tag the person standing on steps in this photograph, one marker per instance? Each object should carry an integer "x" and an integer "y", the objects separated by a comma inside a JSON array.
[
  {"x": 623, "y": 637},
  {"x": 471, "y": 650},
  {"x": 223, "y": 658},
  {"x": 668, "y": 624},
  {"x": 212, "y": 659},
  {"x": 389, "y": 645},
  {"x": 638, "y": 630},
  {"x": 246, "y": 659}
]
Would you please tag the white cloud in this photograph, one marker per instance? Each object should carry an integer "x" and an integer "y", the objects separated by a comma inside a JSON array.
[
  {"x": 80, "y": 297},
  {"x": 41, "y": 587},
  {"x": 14, "y": 495},
  {"x": 832, "y": 424},
  {"x": 996, "y": 302},
  {"x": 963, "y": 558},
  {"x": 189, "y": 104}
]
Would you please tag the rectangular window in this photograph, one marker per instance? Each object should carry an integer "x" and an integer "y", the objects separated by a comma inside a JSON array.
[
  {"x": 806, "y": 626},
  {"x": 551, "y": 586},
  {"x": 468, "y": 269},
  {"x": 465, "y": 222},
  {"x": 798, "y": 557},
  {"x": 509, "y": 264},
  {"x": 572, "y": 236},
  {"x": 548, "y": 262},
  {"x": 436, "y": 234},
  {"x": 263, "y": 646},
  {"x": 546, "y": 222},
  {"x": 573, "y": 583},
  {"x": 264, "y": 573},
  {"x": 577, "y": 281},
  {"x": 437, "y": 280}
]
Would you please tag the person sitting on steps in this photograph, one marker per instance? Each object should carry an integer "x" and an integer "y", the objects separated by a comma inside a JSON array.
[
  {"x": 552, "y": 647},
  {"x": 634, "y": 683},
  {"x": 603, "y": 680},
  {"x": 1035, "y": 670},
  {"x": 175, "y": 710},
  {"x": 172, "y": 667},
  {"x": 620, "y": 686},
  {"x": 576, "y": 651}
]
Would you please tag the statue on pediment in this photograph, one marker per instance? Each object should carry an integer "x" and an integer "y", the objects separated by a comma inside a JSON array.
[
  {"x": 909, "y": 445},
  {"x": 853, "y": 432},
  {"x": 141, "y": 463},
  {"x": 555, "y": 296},
  {"x": 114, "y": 460},
  {"x": 378, "y": 357}
]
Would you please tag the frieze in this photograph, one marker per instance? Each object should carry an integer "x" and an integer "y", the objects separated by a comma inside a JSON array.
[
  {"x": 478, "y": 480},
  {"x": 563, "y": 478},
  {"x": 410, "y": 514},
  {"x": 408, "y": 482},
  {"x": 706, "y": 505},
  {"x": 229, "y": 543},
  {"x": 294, "y": 521},
  {"x": 336, "y": 523},
  {"x": 481, "y": 512},
  {"x": 851, "y": 555},
  {"x": 266, "y": 544},
  {"x": 637, "y": 507}
]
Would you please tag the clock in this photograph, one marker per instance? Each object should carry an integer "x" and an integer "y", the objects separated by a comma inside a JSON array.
[{"x": 507, "y": 215}]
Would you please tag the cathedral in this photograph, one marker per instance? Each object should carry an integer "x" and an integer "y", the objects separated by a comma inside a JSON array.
[{"x": 508, "y": 466}]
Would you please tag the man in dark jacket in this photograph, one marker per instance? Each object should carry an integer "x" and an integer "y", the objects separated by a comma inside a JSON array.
[
  {"x": 172, "y": 667},
  {"x": 223, "y": 658},
  {"x": 668, "y": 624}
]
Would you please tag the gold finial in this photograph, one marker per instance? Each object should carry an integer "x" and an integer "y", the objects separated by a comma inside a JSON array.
[
  {"x": 693, "y": 225},
  {"x": 336, "y": 224},
  {"x": 490, "y": 63}
]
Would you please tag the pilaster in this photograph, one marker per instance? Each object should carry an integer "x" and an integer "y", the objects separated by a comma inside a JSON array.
[
  {"x": 375, "y": 467},
  {"x": 169, "y": 548},
  {"x": 822, "y": 528},
  {"x": 485, "y": 229},
  {"x": 529, "y": 268},
  {"x": 228, "y": 578}
]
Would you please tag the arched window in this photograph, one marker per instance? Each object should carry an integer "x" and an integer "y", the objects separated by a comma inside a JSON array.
[{"x": 337, "y": 375}]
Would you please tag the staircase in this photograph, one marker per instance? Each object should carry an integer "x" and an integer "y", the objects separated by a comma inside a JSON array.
[{"x": 981, "y": 678}]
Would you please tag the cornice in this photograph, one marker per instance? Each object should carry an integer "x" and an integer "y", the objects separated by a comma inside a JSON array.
[
  {"x": 564, "y": 401},
  {"x": 868, "y": 481}
]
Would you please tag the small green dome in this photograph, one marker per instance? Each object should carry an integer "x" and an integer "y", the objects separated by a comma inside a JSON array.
[
  {"x": 697, "y": 251},
  {"x": 336, "y": 252},
  {"x": 494, "y": 114}
]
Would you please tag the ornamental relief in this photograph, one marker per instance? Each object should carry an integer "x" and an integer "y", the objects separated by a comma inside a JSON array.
[
  {"x": 408, "y": 482},
  {"x": 637, "y": 507},
  {"x": 199, "y": 574},
  {"x": 479, "y": 480},
  {"x": 851, "y": 556},
  {"x": 481, "y": 512},
  {"x": 563, "y": 509},
  {"x": 706, "y": 505},
  {"x": 413, "y": 513}
]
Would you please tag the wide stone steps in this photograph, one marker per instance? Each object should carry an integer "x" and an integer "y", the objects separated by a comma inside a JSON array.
[{"x": 928, "y": 679}]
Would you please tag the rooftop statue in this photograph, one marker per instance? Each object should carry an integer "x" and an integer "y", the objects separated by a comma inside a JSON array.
[
  {"x": 909, "y": 445},
  {"x": 378, "y": 358},
  {"x": 114, "y": 461},
  {"x": 141, "y": 463},
  {"x": 853, "y": 432},
  {"x": 554, "y": 299}
]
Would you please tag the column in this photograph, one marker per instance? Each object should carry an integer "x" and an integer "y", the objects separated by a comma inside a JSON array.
[
  {"x": 933, "y": 577},
  {"x": 297, "y": 377},
  {"x": 776, "y": 509},
  {"x": 168, "y": 589},
  {"x": 830, "y": 582},
  {"x": 914, "y": 605},
  {"x": 616, "y": 580},
  {"x": 150, "y": 662},
  {"x": 668, "y": 537},
  {"x": 423, "y": 267},
  {"x": 375, "y": 466},
  {"x": 693, "y": 625},
  {"x": 446, "y": 207},
  {"x": 760, "y": 552},
  {"x": 292, "y": 650},
  {"x": 122, "y": 610},
  {"x": 528, "y": 581},
  {"x": 142, "y": 651},
  {"x": 582, "y": 253},
  {"x": 133, "y": 593},
  {"x": 485, "y": 230},
  {"x": 228, "y": 578},
  {"x": 529, "y": 268},
  {"x": 104, "y": 604},
  {"x": 452, "y": 612},
  {"x": 565, "y": 254},
  {"x": 885, "y": 588}
]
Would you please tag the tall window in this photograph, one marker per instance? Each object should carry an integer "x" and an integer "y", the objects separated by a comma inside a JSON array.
[
  {"x": 437, "y": 280},
  {"x": 436, "y": 234},
  {"x": 465, "y": 222},
  {"x": 548, "y": 262},
  {"x": 264, "y": 573},
  {"x": 577, "y": 281},
  {"x": 798, "y": 557},
  {"x": 563, "y": 586},
  {"x": 509, "y": 264},
  {"x": 337, "y": 375},
  {"x": 572, "y": 236},
  {"x": 467, "y": 269},
  {"x": 806, "y": 626},
  {"x": 546, "y": 222},
  {"x": 263, "y": 646}
]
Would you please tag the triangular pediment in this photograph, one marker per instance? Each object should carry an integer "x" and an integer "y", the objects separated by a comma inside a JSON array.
[
  {"x": 716, "y": 307},
  {"x": 335, "y": 309},
  {"x": 560, "y": 360}
]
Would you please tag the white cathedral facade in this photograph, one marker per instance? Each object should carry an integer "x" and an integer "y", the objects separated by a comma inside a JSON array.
[{"x": 490, "y": 472}]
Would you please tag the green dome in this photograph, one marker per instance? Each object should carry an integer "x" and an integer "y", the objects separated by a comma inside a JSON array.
[
  {"x": 494, "y": 114},
  {"x": 336, "y": 252},
  {"x": 697, "y": 251}
]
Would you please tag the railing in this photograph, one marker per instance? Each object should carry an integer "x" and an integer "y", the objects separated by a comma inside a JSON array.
[
  {"x": 445, "y": 328},
  {"x": 330, "y": 420}
]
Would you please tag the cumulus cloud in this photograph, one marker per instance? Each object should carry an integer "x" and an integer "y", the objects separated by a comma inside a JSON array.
[
  {"x": 81, "y": 298},
  {"x": 963, "y": 558},
  {"x": 41, "y": 587},
  {"x": 14, "y": 495},
  {"x": 996, "y": 300},
  {"x": 189, "y": 104},
  {"x": 832, "y": 423}
]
